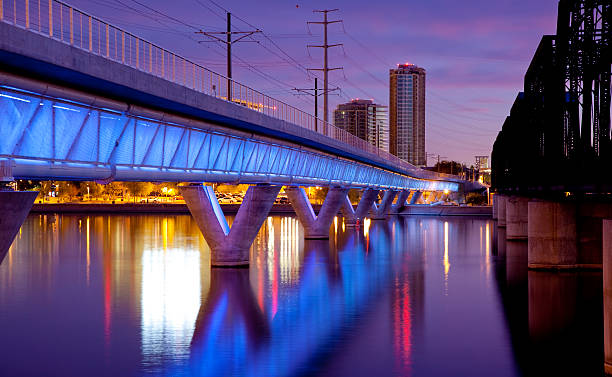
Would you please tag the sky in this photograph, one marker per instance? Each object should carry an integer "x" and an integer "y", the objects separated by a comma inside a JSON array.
[{"x": 475, "y": 52}]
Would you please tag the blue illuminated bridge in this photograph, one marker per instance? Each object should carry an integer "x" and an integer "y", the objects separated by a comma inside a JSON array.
[{"x": 81, "y": 99}]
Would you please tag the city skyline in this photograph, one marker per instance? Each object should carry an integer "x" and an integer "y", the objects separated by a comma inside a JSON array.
[{"x": 475, "y": 56}]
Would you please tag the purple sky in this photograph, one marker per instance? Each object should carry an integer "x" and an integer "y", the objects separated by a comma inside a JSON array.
[{"x": 475, "y": 52}]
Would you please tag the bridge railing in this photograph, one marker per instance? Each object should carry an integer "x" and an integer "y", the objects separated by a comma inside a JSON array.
[{"x": 67, "y": 24}]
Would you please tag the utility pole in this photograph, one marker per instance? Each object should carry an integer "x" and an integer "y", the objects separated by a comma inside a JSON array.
[
  {"x": 325, "y": 68},
  {"x": 316, "y": 93},
  {"x": 439, "y": 157},
  {"x": 228, "y": 44}
]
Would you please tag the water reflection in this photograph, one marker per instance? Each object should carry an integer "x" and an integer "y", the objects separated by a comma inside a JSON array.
[
  {"x": 555, "y": 317},
  {"x": 230, "y": 325},
  {"x": 170, "y": 301},
  {"x": 135, "y": 295}
]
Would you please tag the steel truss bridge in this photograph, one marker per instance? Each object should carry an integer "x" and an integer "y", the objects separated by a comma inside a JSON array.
[{"x": 562, "y": 119}]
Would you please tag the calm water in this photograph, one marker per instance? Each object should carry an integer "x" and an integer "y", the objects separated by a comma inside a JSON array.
[{"x": 415, "y": 296}]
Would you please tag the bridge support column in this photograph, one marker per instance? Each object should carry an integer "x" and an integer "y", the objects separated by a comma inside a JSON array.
[
  {"x": 379, "y": 212},
  {"x": 400, "y": 203},
  {"x": 438, "y": 196},
  {"x": 607, "y": 290},
  {"x": 495, "y": 206},
  {"x": 516, "y": 217},
  {"x": 351, "y": 215},
  {"x": 14, "y": 208},
  {"x": 416, "y": 196},
  {"x": 551, "y": 235},
  {"x": 316, "y": 226},
  {"x": 229, "y": 247},
  {"x": 589, "y": 228},
  {"x": 501, "y": 210}
]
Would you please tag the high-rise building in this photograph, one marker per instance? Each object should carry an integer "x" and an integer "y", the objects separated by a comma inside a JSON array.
[
  {"x": 407, "y": 113},
  {"x": 482, "y": 162},
  {"x": 366, "y": 120}
]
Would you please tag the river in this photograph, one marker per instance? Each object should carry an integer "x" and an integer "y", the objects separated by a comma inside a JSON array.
[{"x": 134, "y": 295}]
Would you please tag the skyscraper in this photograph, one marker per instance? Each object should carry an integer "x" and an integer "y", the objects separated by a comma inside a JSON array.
[
  {"x": 407, "y": 113},
  {"x": 366, "y": 120}
]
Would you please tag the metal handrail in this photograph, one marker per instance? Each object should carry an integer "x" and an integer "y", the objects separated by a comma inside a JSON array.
[{"x": 62, "y": 22}]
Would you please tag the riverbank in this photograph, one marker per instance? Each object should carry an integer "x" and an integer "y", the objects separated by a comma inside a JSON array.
[{"x": 181, "y": 208}]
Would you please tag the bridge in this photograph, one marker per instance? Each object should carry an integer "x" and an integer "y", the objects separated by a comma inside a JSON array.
[
  {"x": 81, "y": 99},
  {"x": 555, "y": 191}
]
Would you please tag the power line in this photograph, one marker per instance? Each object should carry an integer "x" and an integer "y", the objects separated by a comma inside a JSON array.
[
  {"x": 298, "y": 65},
  {"x": 209, "y": 9},
  {"x": 164, "y": 14}
]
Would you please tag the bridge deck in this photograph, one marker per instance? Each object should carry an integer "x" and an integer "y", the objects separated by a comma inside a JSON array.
[{"x": 152, "y": 82}]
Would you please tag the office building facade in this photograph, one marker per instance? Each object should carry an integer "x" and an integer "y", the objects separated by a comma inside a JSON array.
[
  {"x": 366, "y": 120},
  {"x": 407, "y": 113}
]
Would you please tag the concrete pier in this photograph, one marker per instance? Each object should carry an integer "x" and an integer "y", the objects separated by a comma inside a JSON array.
[
  {"x": 351, "y": 215},
  {"x": 14, "y": 207},
  {"x": 380, "y": 212},
  {"x": 229, "y": 247},
  {"x": 416, "y": 196},
  {"x": 551, "y": 235},
  {"x": 501, "y": 210},
  {"x": 400, "y": 203},
  {"x": 516, "y": 217},
  {"x": 316, "y": 226},
  {"x": 607, "y": 290},
  {"x": 589, "y": 229}
]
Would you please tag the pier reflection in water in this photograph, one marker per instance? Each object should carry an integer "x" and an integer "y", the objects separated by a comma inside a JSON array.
[{"x": 135, "y": 295}]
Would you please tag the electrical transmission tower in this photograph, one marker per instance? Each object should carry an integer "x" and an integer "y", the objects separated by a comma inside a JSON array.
[
  {"x": 228, "y": 43},
  {"x": 325, "y": 68}
]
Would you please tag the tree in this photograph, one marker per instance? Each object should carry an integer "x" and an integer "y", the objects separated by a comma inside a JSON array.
[
  {"x": 476, "y": 199},
  {"x": 354, "y": 195},
  {"x": 448, "y": 167},
  {"x": 67, "y": 190},
  {"x": 113, "y": 190},
  {"x": 138, "y": 188},
  {"x": 232, "y": 189},
  {"x": 95, "y": 190},
  {"x": 319, "y": 194}
]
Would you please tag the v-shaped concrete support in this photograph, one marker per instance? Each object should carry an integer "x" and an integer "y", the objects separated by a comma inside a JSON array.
[
  {"x": 379, "y": 212},
  {"x": 229, "y": 247},
  {"x": 400, "y": 202},
  {"x": 14, "y": 208},
  {"x": 316, "y": 226},
  {"x": 416, "y": 197},
  {"x": 351, "y": 215}
]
